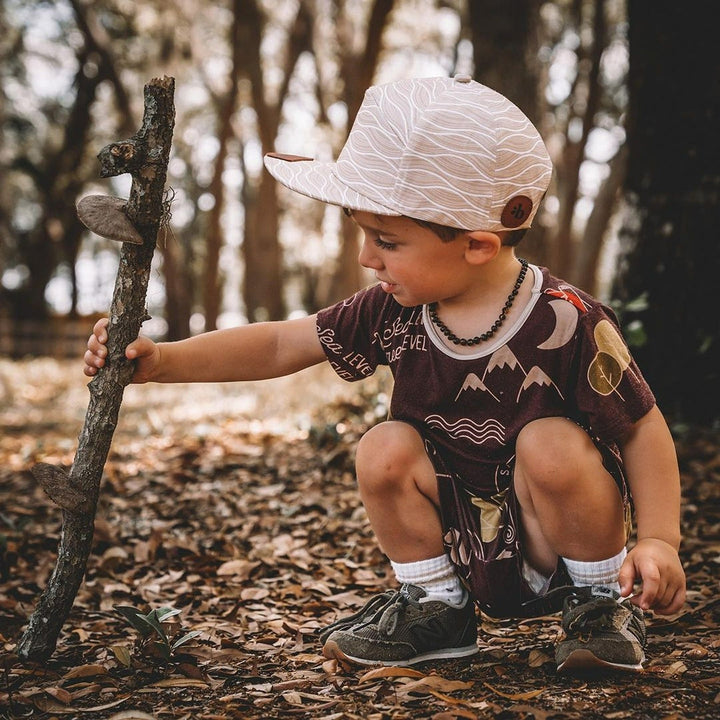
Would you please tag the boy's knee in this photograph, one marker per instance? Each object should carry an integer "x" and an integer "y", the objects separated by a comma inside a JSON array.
[
  {"x": 552, "y": 453},
  {"x": 387, "y": 452}
]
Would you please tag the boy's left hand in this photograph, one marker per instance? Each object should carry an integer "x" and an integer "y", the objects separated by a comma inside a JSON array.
[{"x": 656, "y": 564}]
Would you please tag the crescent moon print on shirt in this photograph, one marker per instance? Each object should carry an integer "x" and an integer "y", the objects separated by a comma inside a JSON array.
[{"x": 566, "y": 320}]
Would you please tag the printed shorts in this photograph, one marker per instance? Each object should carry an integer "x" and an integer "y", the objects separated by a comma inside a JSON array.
[{"x": 482, "y": 538}]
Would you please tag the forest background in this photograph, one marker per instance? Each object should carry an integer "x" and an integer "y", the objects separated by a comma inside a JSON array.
[{"x": 626, "y": 102}]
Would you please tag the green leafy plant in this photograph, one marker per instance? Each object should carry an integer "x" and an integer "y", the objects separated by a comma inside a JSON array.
[{"x": 156, "y": 639}]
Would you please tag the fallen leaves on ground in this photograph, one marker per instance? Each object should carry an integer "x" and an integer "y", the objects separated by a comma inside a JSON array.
[{"x": 237, "y": 505}]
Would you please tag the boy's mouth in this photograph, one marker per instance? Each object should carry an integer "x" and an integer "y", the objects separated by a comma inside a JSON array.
[{"x": 388, "y": 287}]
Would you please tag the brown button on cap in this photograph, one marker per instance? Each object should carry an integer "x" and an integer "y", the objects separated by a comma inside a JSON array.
[{"x": 516, "y": 211}]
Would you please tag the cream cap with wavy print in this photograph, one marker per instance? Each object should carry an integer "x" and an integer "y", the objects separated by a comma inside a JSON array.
[{"x": 445, "y": 150}]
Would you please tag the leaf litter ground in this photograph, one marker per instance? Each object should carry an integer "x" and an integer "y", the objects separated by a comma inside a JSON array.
[{"x": 236, "y": 504}]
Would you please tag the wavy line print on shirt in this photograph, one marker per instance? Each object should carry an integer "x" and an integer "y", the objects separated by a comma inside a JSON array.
[
  {"x": 610, "y": 362},
  {"x": 467, "y": 429}
]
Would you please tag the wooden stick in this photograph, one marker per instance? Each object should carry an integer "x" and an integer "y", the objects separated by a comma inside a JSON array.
[{"x": 145, "y": 156}]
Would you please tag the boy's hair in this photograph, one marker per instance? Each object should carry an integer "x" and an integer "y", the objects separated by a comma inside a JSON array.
[{"x": 448, "y": 234}]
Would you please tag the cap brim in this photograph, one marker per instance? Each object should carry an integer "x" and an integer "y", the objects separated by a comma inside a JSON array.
[{"x": 318, "y": 180}]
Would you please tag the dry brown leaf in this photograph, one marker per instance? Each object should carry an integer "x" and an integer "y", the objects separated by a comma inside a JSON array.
[
  {"x": 536, "y": 658},
  {"x": 60, "y": 694},
  {"x": 436, "y": 682},
  {"x": 85, "y": 671},
  {"x": 448, "y": 699},
  {"x": 392, "y": 671},
  {"x": 537, "y": 713},
  {"x": 122, "y": 654},
  {"x": 239, "y": 569},
  {"x": 455, "y": 713},
  {"x": 179, "y": 682},
  {"x": 292, "y": 697},
  {"x": 676, "y": 668},
  {"x": 516, "y": 696},
  {"x": 48, "y": 705},
  {"x": 89, "y": 689}
]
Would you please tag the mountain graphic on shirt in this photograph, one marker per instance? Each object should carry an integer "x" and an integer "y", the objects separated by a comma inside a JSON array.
[
  {"x": 504, "y": 357},
  {"x": 536, "y": 376},
  {"x": 473, "y": 382}
]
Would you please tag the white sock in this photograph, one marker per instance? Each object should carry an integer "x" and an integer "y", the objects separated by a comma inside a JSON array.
[
  {"x": 436, "y": 576},
  {"x": 538, "y": 582},
  {"x": 601, "y": 572}
]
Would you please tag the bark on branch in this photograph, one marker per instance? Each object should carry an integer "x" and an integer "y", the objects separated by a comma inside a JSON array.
[{"x": 145, "y": 156}]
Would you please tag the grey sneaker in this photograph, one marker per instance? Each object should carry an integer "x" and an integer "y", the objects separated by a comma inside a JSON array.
[
  {"x": 406, "y": 629},
  {"x": 367, "y": 611},
  {"x": 601, "y": 631}
]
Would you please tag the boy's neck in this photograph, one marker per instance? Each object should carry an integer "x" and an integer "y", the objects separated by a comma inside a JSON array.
[{"x": 476, "y": 310}]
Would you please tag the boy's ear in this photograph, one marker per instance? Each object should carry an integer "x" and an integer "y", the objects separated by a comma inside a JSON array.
[{"x": 482, "y": 246}]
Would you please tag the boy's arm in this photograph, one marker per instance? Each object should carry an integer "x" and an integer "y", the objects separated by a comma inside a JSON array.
[
  {"x": 251, "y": 352},
  {"x": 654, "y": 479}
]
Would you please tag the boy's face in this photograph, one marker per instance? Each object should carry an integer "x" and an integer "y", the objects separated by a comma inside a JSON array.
[{"x": 410, "y": 261}]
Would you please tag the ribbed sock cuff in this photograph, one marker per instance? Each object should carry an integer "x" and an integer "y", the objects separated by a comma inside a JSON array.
[
  {"x": 437, "y": 576},
  {"x": 601, "y": 572}
]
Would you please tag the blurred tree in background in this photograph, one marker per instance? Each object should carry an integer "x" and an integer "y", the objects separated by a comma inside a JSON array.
[
  {"x": 671, "y": 260},
  {"x": 289, "y": 75}
]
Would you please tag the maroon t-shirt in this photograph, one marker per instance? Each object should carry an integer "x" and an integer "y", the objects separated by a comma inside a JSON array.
[{"x": 562, "y": 356}]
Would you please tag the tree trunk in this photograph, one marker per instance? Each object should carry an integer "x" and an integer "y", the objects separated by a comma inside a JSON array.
[
  {"x": 505, "y": 51},
  {"x": 145, "y": 156},
  {"x": 261, "y": 249},
  {"x": 505, "y": 46},
  {"x": 56, "y": 237},
  {"x": 358, "y": 72},
  {"x": 673, "y": 205},
  {"x": 262, "y": 289},
  {"x": 348, "y": 275},
  {"x": 177, "y": 258},
  {"x": 212, "y": 284},
  {"x": 588, "y": 256}
]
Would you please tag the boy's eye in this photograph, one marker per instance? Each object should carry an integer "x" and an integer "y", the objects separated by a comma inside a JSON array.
[{"x": 384, "y": 245}]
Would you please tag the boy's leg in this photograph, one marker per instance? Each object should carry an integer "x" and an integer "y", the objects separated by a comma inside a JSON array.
[
  {"x": 432, "y": 615},
  {"x": 572, "y": 508},
  {"x": 570, "y": 505},
  {"x": 398, "y": 488}
]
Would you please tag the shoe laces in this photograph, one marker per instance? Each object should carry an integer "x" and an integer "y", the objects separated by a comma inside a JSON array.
[
  {"x": 597, "y": 616},
  {"x": 594, "y": 613},
  {"x": 388, "y": 621},
  {"x": 370, "y": 609}
]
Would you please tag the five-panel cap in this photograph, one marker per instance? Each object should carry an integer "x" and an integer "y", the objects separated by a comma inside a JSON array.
[{"x": 445, "y": 150}]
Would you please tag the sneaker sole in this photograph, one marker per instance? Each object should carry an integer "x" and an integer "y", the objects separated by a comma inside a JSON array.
[
  {"x": 333, "y": 652},
  {"x": 579, "y": 660}
]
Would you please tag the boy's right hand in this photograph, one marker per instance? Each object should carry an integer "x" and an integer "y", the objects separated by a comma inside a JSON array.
[{"x": 143, "y": 351}]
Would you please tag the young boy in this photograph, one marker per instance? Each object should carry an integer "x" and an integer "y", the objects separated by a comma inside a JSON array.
[{"x": 521, "y": 431}]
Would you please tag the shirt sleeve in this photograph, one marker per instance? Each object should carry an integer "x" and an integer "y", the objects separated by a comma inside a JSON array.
[
  {"x": 348, "y": 332},
  {"x": 611, "y": 394}
]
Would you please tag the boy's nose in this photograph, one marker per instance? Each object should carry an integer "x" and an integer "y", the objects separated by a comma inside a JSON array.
[{"x": 367, "y": 257}]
